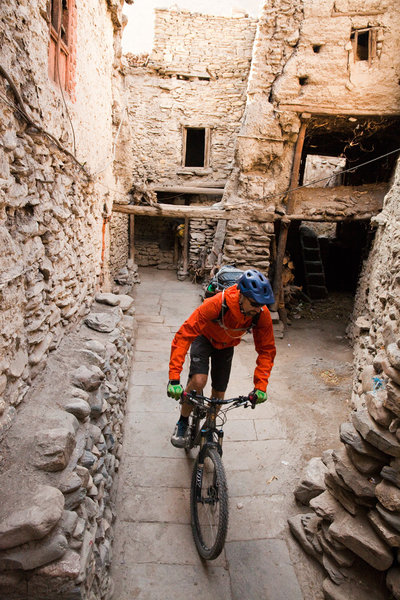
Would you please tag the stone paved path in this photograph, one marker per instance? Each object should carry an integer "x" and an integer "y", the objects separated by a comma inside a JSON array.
[{"x": 264, "y": 450}]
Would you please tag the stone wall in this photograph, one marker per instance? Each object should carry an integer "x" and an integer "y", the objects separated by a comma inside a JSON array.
[
  {"x": 51, "y": 206},
  {"x": 354, "y": 531},
  {"x": 303, "y": 61},
  {"x": 56, "y": 522},
  {"x": 196, "y": 76}
]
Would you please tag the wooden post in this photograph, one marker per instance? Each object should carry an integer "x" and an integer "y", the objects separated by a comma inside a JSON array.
[
  {"x": 285, "y": 221},
  {"x": 132, "y": 237},
  {"x": 185, "y": 262}
]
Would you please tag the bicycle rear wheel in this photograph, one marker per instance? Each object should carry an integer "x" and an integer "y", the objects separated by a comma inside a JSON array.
[{"x": 209, "y": 505}]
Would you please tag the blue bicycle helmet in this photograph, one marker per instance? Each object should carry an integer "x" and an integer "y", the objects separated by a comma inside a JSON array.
[{"x": 256, "y": 286}]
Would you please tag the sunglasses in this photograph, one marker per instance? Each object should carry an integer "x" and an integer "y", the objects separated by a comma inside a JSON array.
[{"x": 255, "y": 304}]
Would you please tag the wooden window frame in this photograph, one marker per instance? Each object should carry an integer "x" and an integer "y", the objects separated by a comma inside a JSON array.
[
  {"x": 207, "y": 146},
  {"x": 59, "y": 15},
  {"x": 372, "y": 43}
]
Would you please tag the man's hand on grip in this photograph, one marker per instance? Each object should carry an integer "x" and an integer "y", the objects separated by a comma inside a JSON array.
[{"x": 174, "y": 389}]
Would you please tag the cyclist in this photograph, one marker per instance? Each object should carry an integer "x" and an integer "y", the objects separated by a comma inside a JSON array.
[{"x": 212, "y": 331}]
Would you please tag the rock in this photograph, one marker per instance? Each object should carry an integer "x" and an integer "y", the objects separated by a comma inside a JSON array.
[
  {"x": 312, "y": 481},
  {"x": 53, "y": 449},
  {"x": 19, "y": 363},
  {"x": 107, "y": 298},
  {"x": 333, "y": 570},
  {"x": 125, "y": 302},
  {"x": 392, "y": 401},
  {"x": 393, "y": 581},
  {"x": 75, "y": 498},
  {"x": 343, "y": 557},
  {"x": 367, "y": 375},
  {"x": 391, "y": 372},
  {"x": 361, "y": 486},
  {"x": 375, "y": 404},
  {"x": 326, "y": 506},
  {"x": 388, "y": 495},
  {"x": 96, "y": 347},
  {"x": 33, "y": 516},
  {"x": 350, "y": 590},
  {"x": 87, "y": 459},
  {"x": 91, "y": 358},
  {"x": 68, "y": 522},
  {"x": 79, "y": 408},
  {"x": 363, "y": 324},
  {"x": 66, "y": 567},
  {"x": 297, "y": 529},
  {"x": 392, "y": 472},
  {"x": 387, "y": 533},
  {"x": 34, "y": 554},
  {"x": 69, "y": 482},
  {"x": 357, "y": 534},
  {"x": 87, "y": 378},
  {"x": 392, "y": 519},
  {"x": 104, "y": 322},
  {"x": 393, "y": 354},
  {"x": 350, "y": 436},
  {"x": 364, "y": 463},
  {"x": 374, "y": 434},
  {"x": 338, "y": 489}
]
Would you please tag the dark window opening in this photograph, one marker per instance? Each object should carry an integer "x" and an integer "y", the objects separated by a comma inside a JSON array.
[
  {"x": 303, "y": 80},
  {"x": 195, "y": 147},
  {"x": 364, "y": 43},
  {"x": 355, "y": 141},
  {"x": 317, "y": 48}
]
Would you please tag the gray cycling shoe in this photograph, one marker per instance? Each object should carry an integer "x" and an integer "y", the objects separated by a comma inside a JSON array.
[{"x": 178, "y": 438}]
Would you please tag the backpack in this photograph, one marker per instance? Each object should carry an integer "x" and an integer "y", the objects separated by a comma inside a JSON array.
[{"x": 224, "y": 278}]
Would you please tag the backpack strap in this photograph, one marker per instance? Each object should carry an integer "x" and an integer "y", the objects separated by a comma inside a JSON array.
[{"x": 224, "y": 310}]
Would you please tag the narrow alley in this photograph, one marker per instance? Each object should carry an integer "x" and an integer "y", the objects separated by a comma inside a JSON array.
[{"x": 265, "y": 451}]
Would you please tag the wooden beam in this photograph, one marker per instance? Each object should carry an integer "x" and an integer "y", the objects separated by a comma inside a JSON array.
[
  {"x": 182, "y": 189},
  {"x": 256, "y": 213},
  {"x": 173, "y": 210},
  {"x": 338, "y": 111},
  {"x": 332, "y": 218}
]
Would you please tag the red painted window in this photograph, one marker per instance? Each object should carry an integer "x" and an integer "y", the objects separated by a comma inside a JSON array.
[{"x": 62, "y": 20}]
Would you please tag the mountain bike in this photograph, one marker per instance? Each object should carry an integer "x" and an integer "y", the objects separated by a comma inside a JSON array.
[{"x": 208, "y": 490}]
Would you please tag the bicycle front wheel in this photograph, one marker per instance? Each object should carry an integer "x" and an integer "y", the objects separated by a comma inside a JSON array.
[{"x": 209, "y": 505}]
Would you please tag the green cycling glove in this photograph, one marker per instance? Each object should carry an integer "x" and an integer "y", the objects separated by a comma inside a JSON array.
[
  {"x": 174, "y": 389},
  {"x": 259, "y": 396}
]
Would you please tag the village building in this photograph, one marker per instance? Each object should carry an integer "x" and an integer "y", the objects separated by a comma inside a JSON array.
[{"x": 255, "y": 142}]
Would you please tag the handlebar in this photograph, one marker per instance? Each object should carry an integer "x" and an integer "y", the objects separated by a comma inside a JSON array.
[{"x": 195, "y": 398}]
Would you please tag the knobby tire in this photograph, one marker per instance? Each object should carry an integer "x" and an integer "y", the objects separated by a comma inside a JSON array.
[{"x": 210, "y": 516}]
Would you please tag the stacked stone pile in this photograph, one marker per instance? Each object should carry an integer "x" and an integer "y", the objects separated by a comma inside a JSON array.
[
  {"x": 355, "y": 491},
  {"x": 354, "y": 531},
  {"x": 57, "y": 478}
]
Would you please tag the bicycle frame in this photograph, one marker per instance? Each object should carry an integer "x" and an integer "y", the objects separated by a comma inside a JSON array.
[
  {"x": 208, "y": 492},
  {"x": 208, "y": 408}
]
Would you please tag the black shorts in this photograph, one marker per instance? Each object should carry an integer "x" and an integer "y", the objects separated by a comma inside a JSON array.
[{"x": 201, "y": 351}]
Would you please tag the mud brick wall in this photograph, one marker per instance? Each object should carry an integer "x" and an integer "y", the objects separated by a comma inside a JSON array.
[{"x": 354, "y": 491}]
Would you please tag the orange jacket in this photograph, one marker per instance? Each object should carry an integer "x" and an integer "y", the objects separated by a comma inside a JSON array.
[{"x": 202, "y": 322}]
